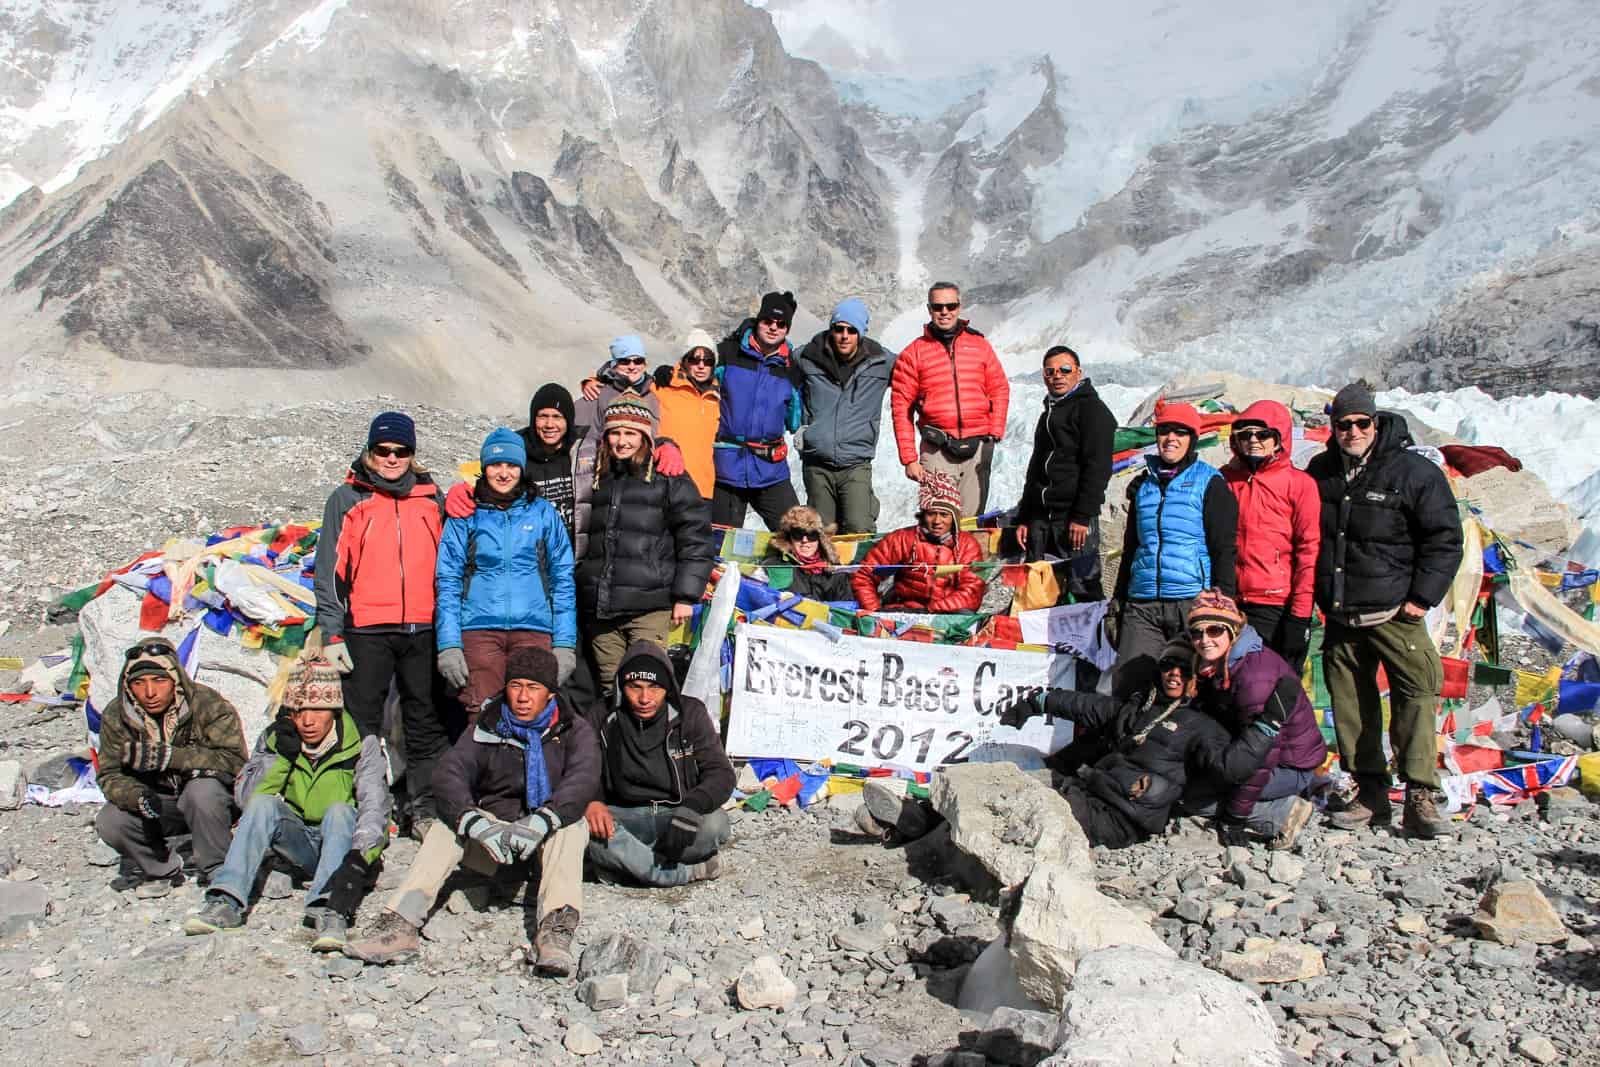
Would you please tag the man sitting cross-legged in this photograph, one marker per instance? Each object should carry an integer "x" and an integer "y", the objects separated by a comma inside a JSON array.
[{"x": 512, "y": 790}]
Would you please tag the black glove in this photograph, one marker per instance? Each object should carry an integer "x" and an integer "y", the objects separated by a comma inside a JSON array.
[
  {"x": 1020, "y": 709},
  {"x": 146, "y": 756},
  {"x": 680, "y": 832},
  {"x": 286, "y": 738},
  {"x": 1294, "y": 637},
  {"x": 148, "y": 805},
  {"x": 349, "y": 884}
]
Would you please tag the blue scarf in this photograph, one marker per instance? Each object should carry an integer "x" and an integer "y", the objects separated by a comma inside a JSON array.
[{"x": 513, "y": 728}]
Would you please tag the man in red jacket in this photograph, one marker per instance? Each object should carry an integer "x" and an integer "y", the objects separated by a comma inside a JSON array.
[
  {"x": 952, "y": 381},
  {"x": 1280, "y": 531},
  {"x": 915, "y": 551}
]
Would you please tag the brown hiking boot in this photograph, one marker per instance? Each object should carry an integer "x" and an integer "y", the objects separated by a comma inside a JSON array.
[
  {"x": 1422, "y": 817},
  {"x": 1371, "y": 806},
  {"x": 391, "y": 939},
  {"x": 552, "y": 944},
  {"x": 1299, "y": 814}
]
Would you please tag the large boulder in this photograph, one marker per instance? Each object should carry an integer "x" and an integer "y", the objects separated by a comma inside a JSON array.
[
  {"x": 1130, "y": 1007},
  {"x": 1009, "y": 821},
  {"x": 1061, "y": 919}
]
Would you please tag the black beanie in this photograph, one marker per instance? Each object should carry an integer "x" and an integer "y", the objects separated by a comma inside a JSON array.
[
  {"x": 779, "y": 306},
  {"x": 533, "y": 664},
  {"x": 551, "y": 395},
  {"x": 1353, "y": 399},
  {"x": 645, "y": 668}
]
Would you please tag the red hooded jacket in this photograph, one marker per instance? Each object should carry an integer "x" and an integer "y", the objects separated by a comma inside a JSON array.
[
  {"x": 918, "y": 588},
  {"x": 961, "y": 390},
  {"x": 1280, "y": 517}
]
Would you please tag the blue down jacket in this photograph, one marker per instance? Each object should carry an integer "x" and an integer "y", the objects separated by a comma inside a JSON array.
[{"x": 506, "y": 569}]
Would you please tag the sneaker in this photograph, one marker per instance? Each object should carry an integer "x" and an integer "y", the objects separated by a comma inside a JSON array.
[
  {"x": 868, "y": 825},
  {"x": 708, "y": 869},
  {"x": 1422, "y": 817},
  {"x": 132, "y": 876},
  {"x": 332, "y": 930},
  {"x": 221, "y": 913},
  {"x": 391, "y": 939},
  {"x": 1299, "y": 814},
  {"x": 1371, "y": 806},
  {"x": 552, "y": 944}
]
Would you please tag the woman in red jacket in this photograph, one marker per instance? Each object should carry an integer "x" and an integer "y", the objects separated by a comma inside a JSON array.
[
  {"x": 1279, "y": 531},
  {"x": 915, "y": 552}
]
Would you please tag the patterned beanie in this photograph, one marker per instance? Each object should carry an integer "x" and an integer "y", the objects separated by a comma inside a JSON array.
[
  {"x": 314, "y": 685},
  {"x": 1215, "y": 606},
  {"x": 939, "y": 490},
  {"x": 625, "y": 412}
]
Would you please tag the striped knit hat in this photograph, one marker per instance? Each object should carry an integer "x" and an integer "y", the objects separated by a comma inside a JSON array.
[
  {"x": 1215, "y": 606},
  {"x": 939, "y": 491},
  {"x": 628, "y": 412},
  {"x": 314, "y": 685}
]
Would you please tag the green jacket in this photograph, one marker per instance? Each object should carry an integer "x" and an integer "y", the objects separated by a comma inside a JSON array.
[
  {"x": 206, "y": 738},
  {"x": 354, "y": 773}
]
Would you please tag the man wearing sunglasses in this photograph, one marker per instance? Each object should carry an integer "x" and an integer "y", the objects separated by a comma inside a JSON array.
[
  {"x": 169, "y": 751},
  {"x": 760, "y": 404},
  {"x": 948, "y": 399},
  {"x": 1059, "y": 514},
  {"x": 1279, "y": 529},
  {"x": 846, "y": 374},
  {"x": 1391, "y": 544}
]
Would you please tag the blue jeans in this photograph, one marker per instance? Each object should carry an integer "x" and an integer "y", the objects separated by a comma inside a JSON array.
[
  {"x": 630, "y": 851},
  {"x": 270, "y": 824}
]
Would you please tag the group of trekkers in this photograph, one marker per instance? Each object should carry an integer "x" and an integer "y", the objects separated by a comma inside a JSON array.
[{"x": 519, "y": 624}]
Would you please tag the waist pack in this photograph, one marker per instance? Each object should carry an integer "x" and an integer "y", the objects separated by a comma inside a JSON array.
[
  {"x": 955, "y": 449},
  {"x": 771, "y": 451}
]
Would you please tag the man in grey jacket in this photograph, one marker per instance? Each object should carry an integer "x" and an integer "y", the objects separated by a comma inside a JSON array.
[{"x": 846, "y": 373}]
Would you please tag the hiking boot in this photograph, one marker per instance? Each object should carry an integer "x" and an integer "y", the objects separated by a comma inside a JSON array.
[
  {"x": 391, "y": 939},
  {"x": 552, "y": 944},
  {"x": 1370, "y": 807},
  {"x": 886, "y": 801},
  {"x": 420, "y": 827},
  {"x": 221, "y": 913},
  {"x": 708, "y": 869},
  {"x": 132, "y": 876},
  {"x": 868, "y": 825},
  {"x": 333, "y": 930},
  {"x": 1422, "y": 817},
  {"x": 1299, "y": 814}
]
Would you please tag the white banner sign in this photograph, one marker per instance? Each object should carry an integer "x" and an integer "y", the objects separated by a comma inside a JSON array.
[{"x": 799, "y": 695}]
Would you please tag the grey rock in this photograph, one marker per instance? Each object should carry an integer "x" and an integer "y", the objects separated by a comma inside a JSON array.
[
  {"x": 1246, "y": 877},
  {"x": 1192, "y": 909},
  {"x": 278, "y": 886},
  {"x": 1536, "y": 1047},
  {"x": 581, "y": 1041},
  {"x": 308, "y": 1039},
  {"x": 604, "y": 991},
  {"x": 103, "y": 855},
  {"x": 861, "y": 939},
  {"x": 1018, "y": 1038},
  {"x": 1575, "y": 728},
  {"x": 13, "y": 786},
  {"x": 618, "y": 953},
  {"x": 1008, "y": 820},
  {"x": 1285, "y": 868}
]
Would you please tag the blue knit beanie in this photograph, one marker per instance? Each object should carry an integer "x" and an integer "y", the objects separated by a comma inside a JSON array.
[
  {"x": 628, "y": 346},
  {"x": 852, "y": 312},
  {"x": 503, "y": 446},
  {"x": 395, "y": 427}
]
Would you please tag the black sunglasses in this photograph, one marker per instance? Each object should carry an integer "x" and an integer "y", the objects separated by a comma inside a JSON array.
[
  {"x": 1166, "y": 429},
  {"x": 770, "y": 321},
  {"x": 1361, "y": 422},
  {"x": 943, "y": 307},
  {"x": 631, "y": 361},
  {"x": 1213, "y": 631},
  {"x": 1250, "y": 433},
  {"x": 150, "y": 648},
  {"x": 1060, "y": 372},
  {"x": 391, "y": 451},
  {"x": 804, "y": 535},
  {"x": 842, "y": 327},
  {"x": 692, "y": 360}
]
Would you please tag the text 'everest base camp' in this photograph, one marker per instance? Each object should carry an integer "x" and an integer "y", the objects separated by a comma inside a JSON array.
[{"x": 800, "y": 531}]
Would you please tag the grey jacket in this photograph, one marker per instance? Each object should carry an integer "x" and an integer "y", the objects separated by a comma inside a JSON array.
[{"x": 843, "y": 402}]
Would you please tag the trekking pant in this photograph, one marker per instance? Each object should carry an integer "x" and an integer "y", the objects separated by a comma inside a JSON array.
[
  {"x": 1077, "y": 573},
  {"x": 560, "y": 872},
  {"x": 1267, "y": 620},
  {"x": 971, "y": 475},
  {"x": 729, "y": 503},
  {"x": 203, "y": 808},
  {"x": 486, "y": 652},
  {"x": 630, "y": 851},
  {"x": 1284, "y": 785},
  {"x": 407, "y": 659},
  {"x": 609, "y": 640},
  {"x": 269, "y": 824},
  {"x": 844, "y": 498},
  {"x": 1102, "y": 823},
  {"x": 1147, "y": 626},
  {"x": 1350, "y": 659}
]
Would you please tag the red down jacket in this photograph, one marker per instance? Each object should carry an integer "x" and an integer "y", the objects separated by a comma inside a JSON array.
[
  {"x": 961, "y": 390},
  {"x": 918, "y": 588},
  {"x": 1280, "y": 515}
]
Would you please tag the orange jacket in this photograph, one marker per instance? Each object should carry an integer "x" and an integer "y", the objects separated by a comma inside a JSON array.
[
  {"x": 917, "y": 587},
  {"x": 965, "y": 394},
  {"x": 377, "y": 555},
  {"x": 689, "y": 417}
]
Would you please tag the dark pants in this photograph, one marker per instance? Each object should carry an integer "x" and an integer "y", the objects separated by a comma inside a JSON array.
[
  {"x": 204, "y": 809},
  {"x": 407, "y": 660},
  {"x": 729, "y": 503},
  {"x": 486, "y": 652},
  {"x": 1350, "y": 660},
  {"x": 1102, "y": 823},
  {"x": 1077, "y": 573},
  {"x": 1267, "y": 620},
  {"x": 1147, "y": 626},
  {"x": 843, "y": 498}
]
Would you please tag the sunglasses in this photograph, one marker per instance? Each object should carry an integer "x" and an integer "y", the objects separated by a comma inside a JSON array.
[
  {"x": 1360, "y": 422},
  {"x": 391, "y": 451},
  {"x": 1256, "y": 435},
  {"x": 1168, "y": 429},
  {"x": 1060, "y": 372},
  {"x": 631, "y": 361},
  {"x": 1174, "y": 665},
  {"x": 699, "y": 360},
  {"x": 840, "y": 327},
  {"x": 773, "y": 322},
  {"x": 944, "y": 307},
  {"x": 150, "y": 648},
  {"x": 1212, "y": 631},
  {"x": 804, "y": 535}
]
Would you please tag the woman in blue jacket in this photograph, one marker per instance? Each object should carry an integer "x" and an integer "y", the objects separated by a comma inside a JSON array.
[{"x": 504, "y": 579}]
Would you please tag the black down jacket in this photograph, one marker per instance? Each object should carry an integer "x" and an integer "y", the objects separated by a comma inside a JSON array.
[
  {"x": 1150, "y": 757},
  {"x": 649, "y": 544},
  {"x": 1389, "y": 535},
  {"x": 1071, "y": 461}
]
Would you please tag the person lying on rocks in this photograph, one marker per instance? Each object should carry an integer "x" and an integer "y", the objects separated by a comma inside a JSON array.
[
  {"x": 169, "y": 750},
  {"x": 666, "y": 778},
  {"x": 916, "y": 553},
  {"x": 1157, "y": 744},
  {"x": 1246, "y": 686},
  {"x": 511, "y": 796},
  {"x": 316, "y": 794}
]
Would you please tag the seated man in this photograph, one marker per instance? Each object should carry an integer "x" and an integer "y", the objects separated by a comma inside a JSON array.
[
  {"x": 315, "y": 793},
  {"x": 514, "y": 789},
  {"x": 666, "y": 778},
  {"x": 169, "y": 750},
  {"x": 1159, "y": 744},
  {"x": 915, "y": 552}
]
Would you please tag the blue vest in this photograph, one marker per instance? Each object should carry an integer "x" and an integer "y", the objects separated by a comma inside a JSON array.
[{"x": 1171, "y": 562}]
